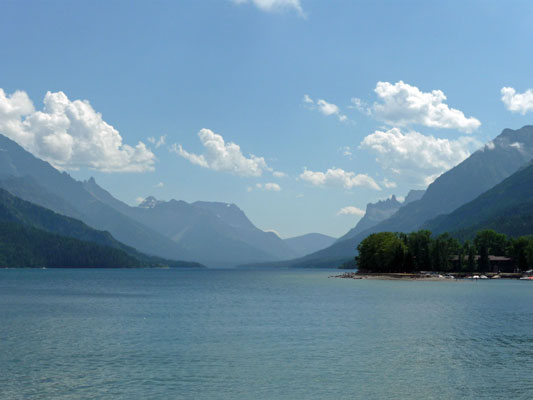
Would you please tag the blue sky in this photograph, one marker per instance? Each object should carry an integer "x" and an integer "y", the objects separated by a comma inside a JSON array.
[{"x": 385, "y": 95}]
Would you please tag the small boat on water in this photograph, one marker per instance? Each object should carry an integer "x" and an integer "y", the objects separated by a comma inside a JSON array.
[{"x": 526, "y": 278}]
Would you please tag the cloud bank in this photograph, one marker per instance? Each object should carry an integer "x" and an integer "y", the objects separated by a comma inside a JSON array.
[
  {"x": 222, "y": 156},
  {"x": 69, "y": 134},
  {"x": 403, "y": 104},
  {"x": 419, "y": 157},
  {"x": 337, "y": 177}
]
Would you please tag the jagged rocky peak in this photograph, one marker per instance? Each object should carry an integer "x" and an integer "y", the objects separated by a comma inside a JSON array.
[
  {"x": 381, "y": 210},
  {"x": 391, "y": 202},
  {"x": 375, "y": 213},
  {"x": 387, "y": 207},
  {"x": 149, "y": 202},
  {"x": 91, "y": 185}
]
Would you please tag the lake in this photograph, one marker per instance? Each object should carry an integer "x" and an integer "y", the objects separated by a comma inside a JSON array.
[{"x": 234, "y": 334}]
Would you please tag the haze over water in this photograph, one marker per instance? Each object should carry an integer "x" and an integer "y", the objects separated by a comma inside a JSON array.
[{"x": 230, "y": 334}]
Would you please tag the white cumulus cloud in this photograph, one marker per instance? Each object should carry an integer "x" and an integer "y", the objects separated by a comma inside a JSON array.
[
  {"x": 330, "y": 109},
  {"x": 324, "y": 107},
  {"x": 222, "y": 156},
  {"x": 270, "y": 187},
  {"x": 417, "y": 156},
  {"x": 275, "y": 5},
  {"x": 350, "y": 210},
  {"x": 517, "y": 102},
  {"x": 69, "y": 134},
  {"x": 337, "y": 177},
  {"x": 403, "y": 104}
]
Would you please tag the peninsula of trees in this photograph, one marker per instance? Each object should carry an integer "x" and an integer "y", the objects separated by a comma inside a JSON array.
[{"x": 388, "y": 252}]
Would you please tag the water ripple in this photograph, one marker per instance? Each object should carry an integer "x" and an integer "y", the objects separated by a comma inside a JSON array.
[{"x": 164, "y": 334}]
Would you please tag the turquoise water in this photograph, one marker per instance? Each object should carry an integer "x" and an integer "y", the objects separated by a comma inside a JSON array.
[{"x": 229, "y": 334}]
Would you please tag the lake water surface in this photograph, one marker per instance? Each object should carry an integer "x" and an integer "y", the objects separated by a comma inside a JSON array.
[{"x": 230, "y": 334}]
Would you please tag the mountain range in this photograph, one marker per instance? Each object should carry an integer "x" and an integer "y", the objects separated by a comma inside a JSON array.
[
  {"x": 218, "y": 234},
  {"x": 484, "y": 169},
  {"x": 212, "y": 233},
  {"x": 485, "y": 190},
  {"x": 36, "y": 181},
  {"x": 506, "y": 208},
  {"x": 34, "y": 236},
  {"x": 381, "y": 211}
]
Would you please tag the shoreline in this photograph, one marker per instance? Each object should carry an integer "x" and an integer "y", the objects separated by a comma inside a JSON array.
[{"x": 422, "y": 276}]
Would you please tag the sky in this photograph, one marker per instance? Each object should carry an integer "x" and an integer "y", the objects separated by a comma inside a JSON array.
[{"x": 299, "y": 111}]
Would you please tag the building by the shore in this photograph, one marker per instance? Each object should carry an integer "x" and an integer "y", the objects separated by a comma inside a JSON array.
[{"x": 497, "y": 263}]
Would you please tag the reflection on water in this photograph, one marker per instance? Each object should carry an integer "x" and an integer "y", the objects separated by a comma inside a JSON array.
[{"x": 162, "y": 334}]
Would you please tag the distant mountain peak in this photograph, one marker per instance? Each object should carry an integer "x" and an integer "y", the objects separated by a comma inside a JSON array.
[
  {"x": 230, "y": 213},
  {"x": 149, "y": 202},
  {"x": 513, "y": 132},
  {"x": 413, "y": 195},
  {"x": 387, "y": 203},
  {"x": 380, "y": 211},
  {"x": 514, "y": 138},
  {"x": 309, "y": 243}
]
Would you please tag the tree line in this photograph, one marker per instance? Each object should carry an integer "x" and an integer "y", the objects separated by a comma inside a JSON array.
[
  {"x": 28, "y": 247},
  {"x": 388, "y": 252}
]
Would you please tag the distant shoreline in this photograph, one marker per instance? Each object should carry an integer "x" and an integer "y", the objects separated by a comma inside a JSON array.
[{"x": 421, "y": 276}]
